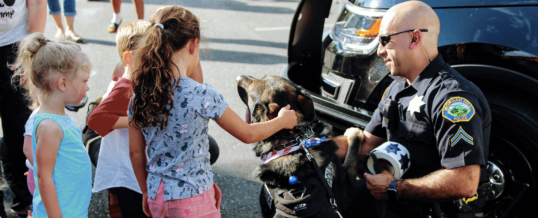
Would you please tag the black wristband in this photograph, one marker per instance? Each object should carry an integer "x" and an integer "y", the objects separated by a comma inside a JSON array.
[{"x": 392, "y": 192}]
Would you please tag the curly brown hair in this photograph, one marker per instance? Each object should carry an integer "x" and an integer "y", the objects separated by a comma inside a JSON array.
[{"x": 153, "y": 78}]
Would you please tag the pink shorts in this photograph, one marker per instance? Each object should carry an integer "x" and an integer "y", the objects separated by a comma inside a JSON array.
[
  {"x": 206, "y": 205},
  {"x": 30, "y": 181}
]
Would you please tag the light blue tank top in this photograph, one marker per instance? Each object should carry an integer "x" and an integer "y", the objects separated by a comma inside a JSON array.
[{"x": 72, "y": 172}]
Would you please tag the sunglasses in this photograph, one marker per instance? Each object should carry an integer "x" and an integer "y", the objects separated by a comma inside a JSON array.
[
  {"x": 384, "y": 40},
  {"x": 75, "y": 108}
]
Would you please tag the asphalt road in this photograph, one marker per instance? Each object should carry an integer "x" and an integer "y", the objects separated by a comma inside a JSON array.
[{"x": 240, "y": 37}]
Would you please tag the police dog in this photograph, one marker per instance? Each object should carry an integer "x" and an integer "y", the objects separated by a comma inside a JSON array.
[{"x": 293, "y": 187}]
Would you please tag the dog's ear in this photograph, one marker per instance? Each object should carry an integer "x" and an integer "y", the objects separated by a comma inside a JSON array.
[
  {"x": 273, "y": 110},
  {"x": 243, "y": 81},
  {"x": 305, "y": 104}
]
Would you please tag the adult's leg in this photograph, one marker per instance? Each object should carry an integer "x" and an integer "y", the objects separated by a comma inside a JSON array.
[
  {"x": 70, "y": 12},
  {"x": 139, "y": 6},
  {"x": 116, "y": 17},
  {"x": 56, "y": 11},
  {"x": 130, "y": 202},
  {"x": 14, "y": 112},
  {"x": 116, "y": 6}
]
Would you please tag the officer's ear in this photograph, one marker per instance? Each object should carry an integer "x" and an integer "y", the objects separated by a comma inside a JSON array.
[{"x": 416, "y": 38}]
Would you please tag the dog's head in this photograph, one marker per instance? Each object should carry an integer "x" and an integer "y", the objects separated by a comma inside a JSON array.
[{"x": 265, "y": 97}]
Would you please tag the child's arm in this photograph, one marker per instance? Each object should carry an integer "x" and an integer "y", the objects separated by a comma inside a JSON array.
[
  {"x": 111, "y": 113},
  {"x": 249, "y": 133},
  {"x": 49, "y": 136},
  {"x": 27, "y": 149},
  {"x": 137, "y": 144}
]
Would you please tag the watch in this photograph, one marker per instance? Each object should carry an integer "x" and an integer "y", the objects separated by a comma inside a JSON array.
[{"x": 392, "y": 192}]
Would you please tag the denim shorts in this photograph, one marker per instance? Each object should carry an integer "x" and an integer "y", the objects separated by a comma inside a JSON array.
[
  {"x": 69, "y": 7},
  {"x": 206, "y": 205}
]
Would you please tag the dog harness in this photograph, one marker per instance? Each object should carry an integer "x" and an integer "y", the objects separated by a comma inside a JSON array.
[
  {"x": 284, "y": 205},
  {"x": 266, "y": 158}
]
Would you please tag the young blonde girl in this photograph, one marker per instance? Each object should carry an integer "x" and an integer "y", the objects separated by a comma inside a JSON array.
[
  {"x": 59, "y": 72},
  {"x": 170, "y": 114}
]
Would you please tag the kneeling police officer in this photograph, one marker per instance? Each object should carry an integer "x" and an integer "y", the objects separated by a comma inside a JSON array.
[{"x": 439, "y": 116}]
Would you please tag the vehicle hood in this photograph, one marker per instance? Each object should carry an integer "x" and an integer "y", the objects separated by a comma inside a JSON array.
[{"x": 385, "y": 4}]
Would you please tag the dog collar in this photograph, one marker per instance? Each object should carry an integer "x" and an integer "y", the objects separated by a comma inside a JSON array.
[{"x": 307, "y": 143}]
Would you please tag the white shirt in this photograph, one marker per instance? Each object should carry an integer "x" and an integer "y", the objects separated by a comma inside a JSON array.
[
  {"x": 114, "y": 167},
  {"x": 13, "y": 21}
]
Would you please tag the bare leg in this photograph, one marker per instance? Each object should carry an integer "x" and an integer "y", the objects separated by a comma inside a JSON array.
[
  {"x": 59, "y": 26},
  {"x": 116, "y": 6},
  {"x": 116, "y": 17},
  {"x": 70, "y": 31},
  {"x": 139, "y": 6}
]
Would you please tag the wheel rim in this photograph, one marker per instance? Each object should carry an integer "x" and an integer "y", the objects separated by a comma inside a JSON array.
[{"x": 508, "y": 169}]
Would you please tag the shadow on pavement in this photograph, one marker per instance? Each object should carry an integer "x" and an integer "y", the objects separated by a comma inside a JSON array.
[
  {"x": 239, "y": 196},
  {"x": 224, "y": 5},
  {"x": 97, "y": 41},
  {"x": 240, "y": 57},
  {"x": 250, "y": 42}
]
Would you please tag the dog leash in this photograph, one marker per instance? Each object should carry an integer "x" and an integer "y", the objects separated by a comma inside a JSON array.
[
  {"x": 266, "y": 158},
  {"x": 332, "y": 199},
  {"x": 377, "y": 170}
]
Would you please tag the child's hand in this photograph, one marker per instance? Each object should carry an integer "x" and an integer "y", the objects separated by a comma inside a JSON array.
[
  {"x": 145, "y": 205},
  {"x": 289, "y": 116}
]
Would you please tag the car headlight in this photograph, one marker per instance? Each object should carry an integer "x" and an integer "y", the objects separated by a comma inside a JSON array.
[{"x": 356, "y": 31}]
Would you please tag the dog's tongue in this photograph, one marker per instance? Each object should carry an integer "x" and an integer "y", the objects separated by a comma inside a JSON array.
[{"x": 247, "y": 118}]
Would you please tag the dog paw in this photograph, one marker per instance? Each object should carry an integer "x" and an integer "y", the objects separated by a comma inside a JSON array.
[{"x": 353, "y": 134}]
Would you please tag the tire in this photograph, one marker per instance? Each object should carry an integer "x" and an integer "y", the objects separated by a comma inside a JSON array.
[
  {"x": 213, "y": 150},
  {"x": 92, "y": 141},
  {"x": 514, "y": 149}
]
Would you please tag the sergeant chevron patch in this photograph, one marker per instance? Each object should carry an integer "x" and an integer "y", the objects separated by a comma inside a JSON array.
[{"x": 461, "y": 135}]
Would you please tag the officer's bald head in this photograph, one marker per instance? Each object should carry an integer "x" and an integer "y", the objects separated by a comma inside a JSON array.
[
  {"x": 407, "y": 53},
  {"x": 412, "y": 15}
]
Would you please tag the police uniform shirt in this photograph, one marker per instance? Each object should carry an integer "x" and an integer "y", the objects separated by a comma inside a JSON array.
[{"x": 441, "y": 118}]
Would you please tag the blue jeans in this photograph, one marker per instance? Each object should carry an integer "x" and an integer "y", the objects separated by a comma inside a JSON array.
[{"x": 69, "y": 7}]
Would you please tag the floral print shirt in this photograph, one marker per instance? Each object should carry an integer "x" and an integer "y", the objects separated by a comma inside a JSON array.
[{"x": 179, "y": 154}]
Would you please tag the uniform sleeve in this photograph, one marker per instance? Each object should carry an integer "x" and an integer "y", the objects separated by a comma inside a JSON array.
[
  {"x": 375, "y": 126},
  {"x": 458, "y": 126},
  {"x": 107, "y": 113},
  {"x": 213, "y": 104}
]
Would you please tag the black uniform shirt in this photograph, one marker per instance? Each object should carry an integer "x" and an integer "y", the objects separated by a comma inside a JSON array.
[{"x": 442, "y": 118}]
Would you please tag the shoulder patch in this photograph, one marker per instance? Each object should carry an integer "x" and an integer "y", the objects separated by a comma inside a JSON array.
[{"x": 458, "y": 109}]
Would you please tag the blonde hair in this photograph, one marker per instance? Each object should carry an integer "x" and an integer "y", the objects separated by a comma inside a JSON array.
[
  {"x": 129, "y": 35},
  {"x": 41, "y": 60}
]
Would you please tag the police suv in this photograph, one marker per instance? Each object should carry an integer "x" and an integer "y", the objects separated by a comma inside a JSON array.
[{"x": 492, "y": 43}]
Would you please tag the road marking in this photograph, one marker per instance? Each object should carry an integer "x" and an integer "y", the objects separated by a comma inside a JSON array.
[{"x": 282, "y": 28}]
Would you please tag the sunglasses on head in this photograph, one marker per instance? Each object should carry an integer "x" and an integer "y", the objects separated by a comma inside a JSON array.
[{"x": 384, "y": 40}]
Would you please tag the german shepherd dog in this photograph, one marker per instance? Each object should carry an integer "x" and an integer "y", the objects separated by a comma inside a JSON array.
[{"x": 293, "y": 187}]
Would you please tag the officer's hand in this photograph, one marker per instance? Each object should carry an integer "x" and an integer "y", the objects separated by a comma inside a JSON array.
[{"x": 378, "y": 184}]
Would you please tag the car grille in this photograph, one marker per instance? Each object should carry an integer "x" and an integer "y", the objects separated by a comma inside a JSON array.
[{"x": 336, "y": 87}]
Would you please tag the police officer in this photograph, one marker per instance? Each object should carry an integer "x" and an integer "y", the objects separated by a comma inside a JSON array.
[{"x": 440, "y": 117}]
